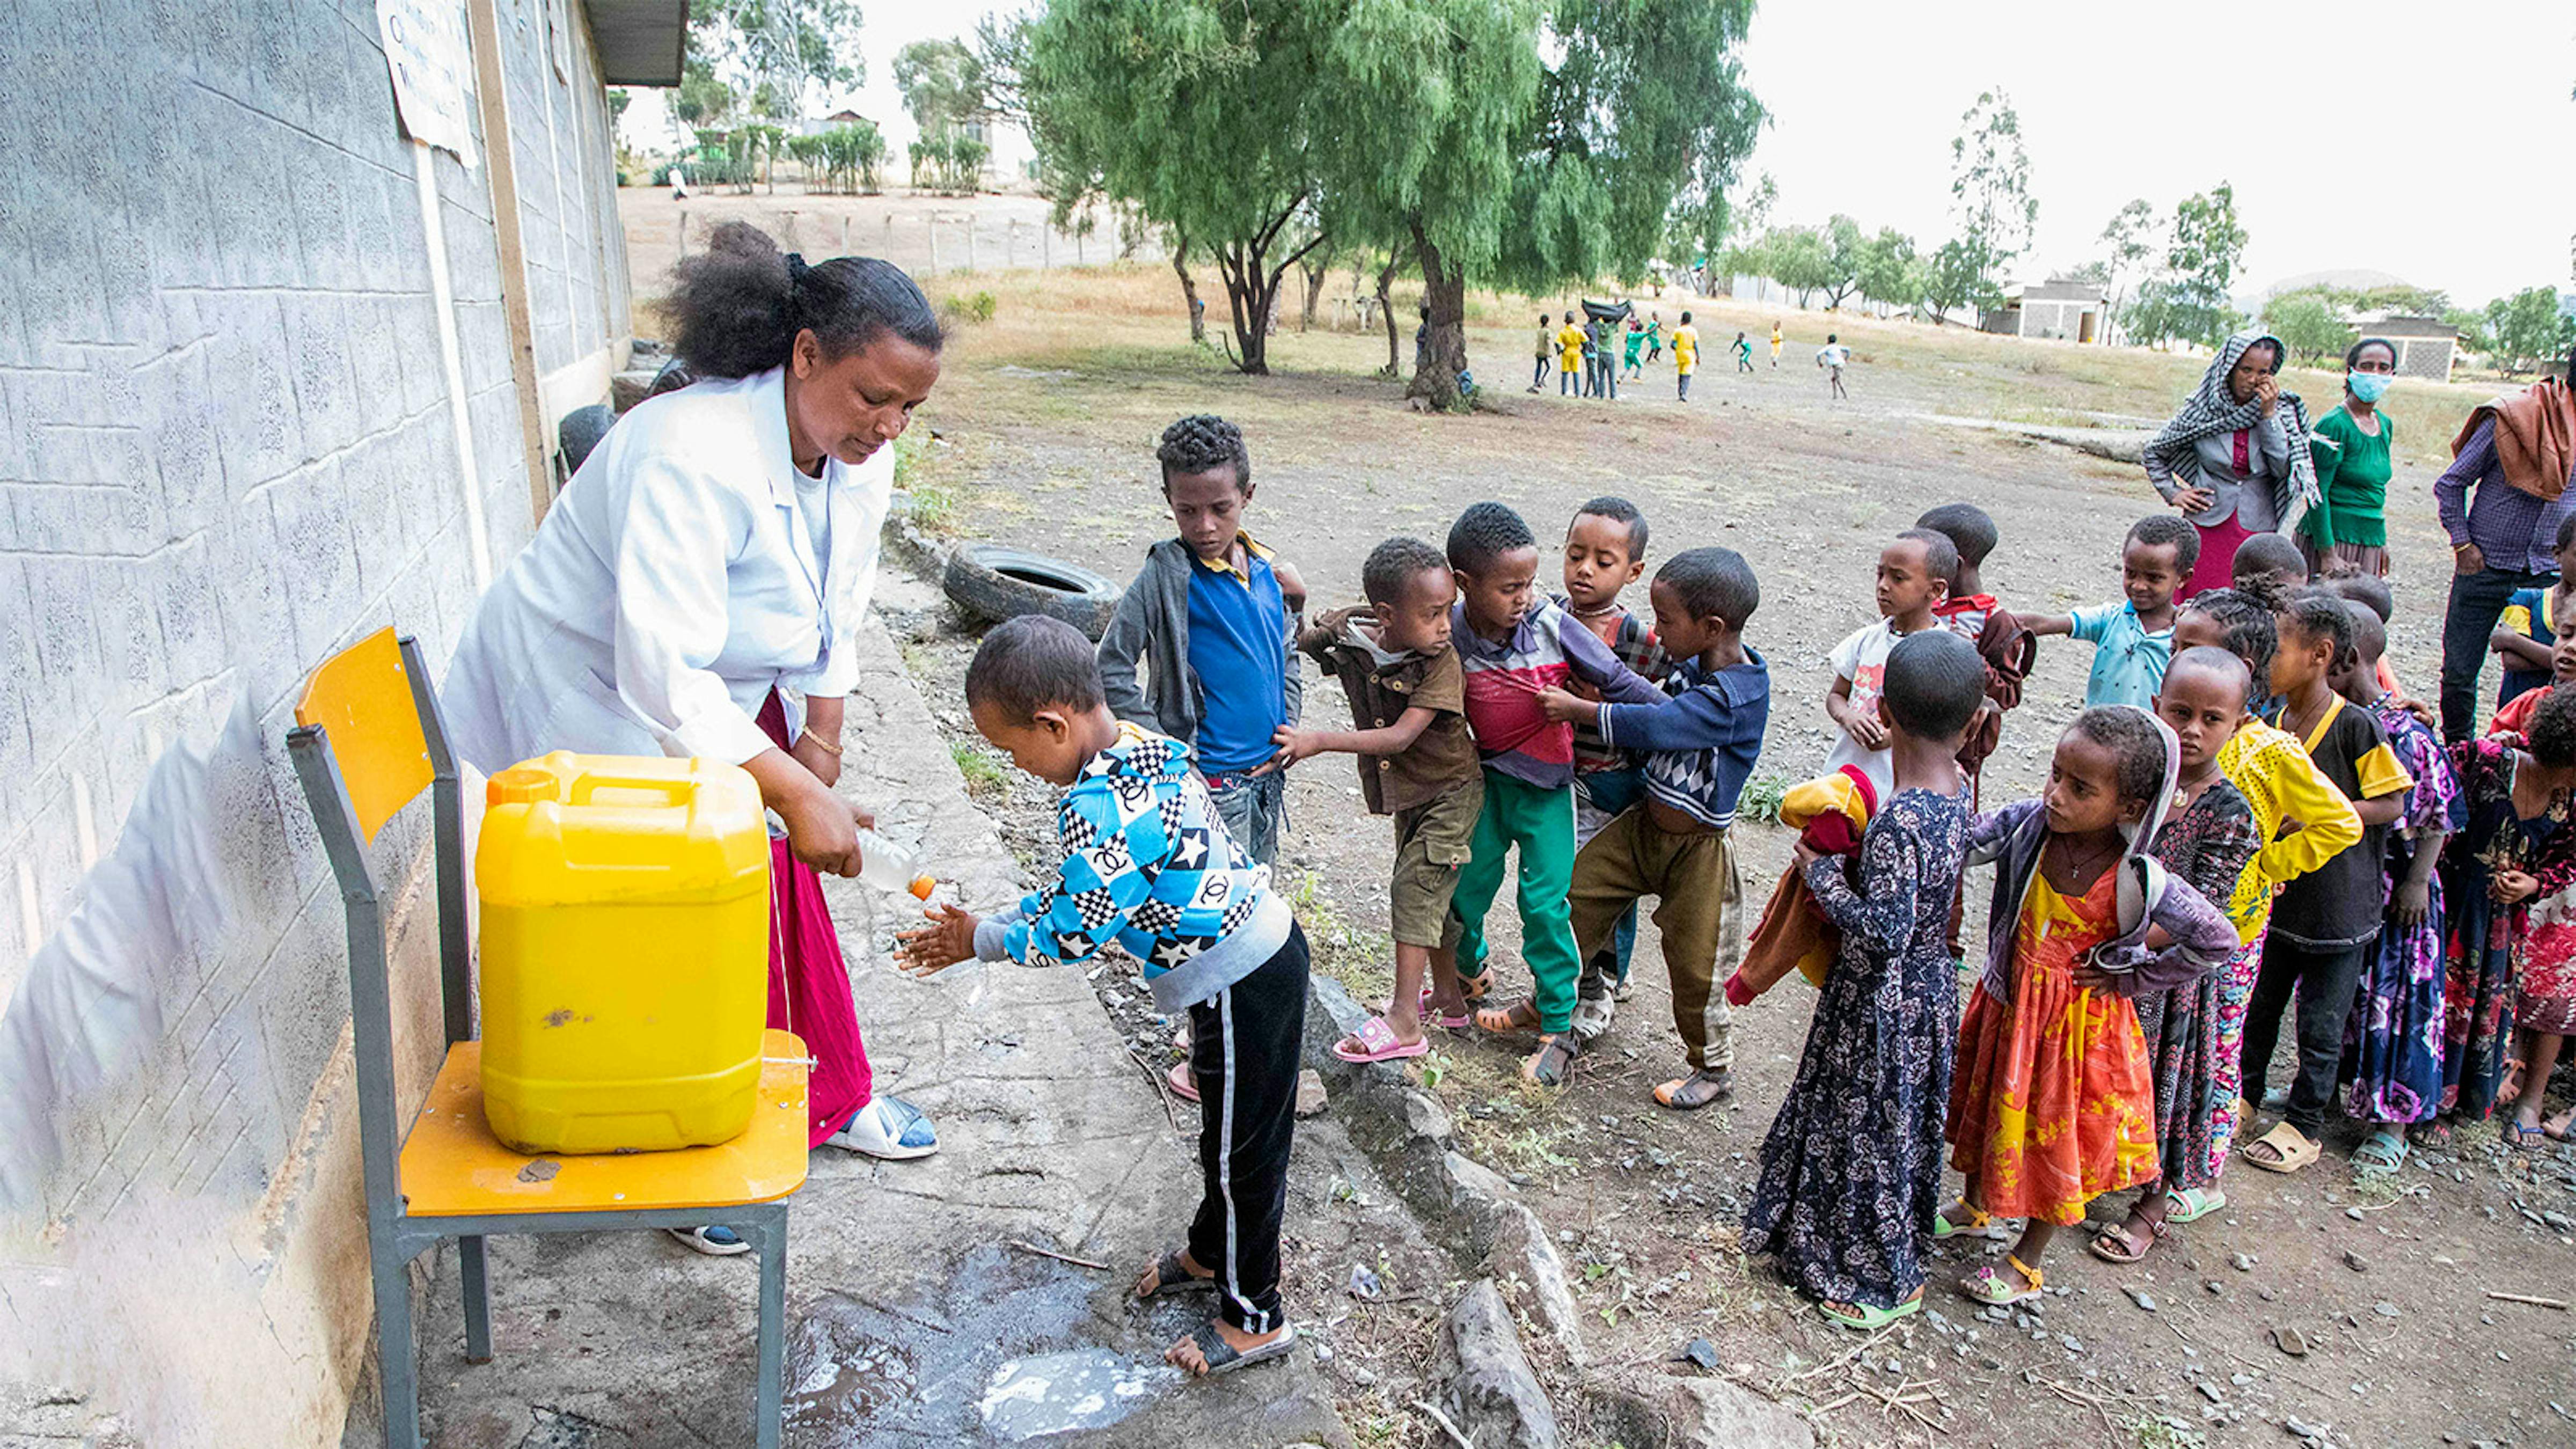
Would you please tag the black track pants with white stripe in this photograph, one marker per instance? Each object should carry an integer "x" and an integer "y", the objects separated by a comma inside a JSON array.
[{"x": 1243, "y": 1054}]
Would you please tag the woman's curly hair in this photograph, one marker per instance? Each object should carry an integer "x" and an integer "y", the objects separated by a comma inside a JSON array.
[
  {"x": 2247, "y": 624},
  {"x": 740, "y": 304}
]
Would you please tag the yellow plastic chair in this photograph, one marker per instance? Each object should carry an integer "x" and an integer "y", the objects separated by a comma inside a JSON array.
[{"x": 368, "y": 739}]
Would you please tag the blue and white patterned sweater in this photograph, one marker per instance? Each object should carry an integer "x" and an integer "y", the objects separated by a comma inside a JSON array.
[{"x": 1148, "y": 865}]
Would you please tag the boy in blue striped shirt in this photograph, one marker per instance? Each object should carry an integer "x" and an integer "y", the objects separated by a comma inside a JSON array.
[{"x": 1150, "y": 866}]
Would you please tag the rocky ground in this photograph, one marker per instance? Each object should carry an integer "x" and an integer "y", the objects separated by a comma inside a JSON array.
[{"x": 2315, "y": 1306}]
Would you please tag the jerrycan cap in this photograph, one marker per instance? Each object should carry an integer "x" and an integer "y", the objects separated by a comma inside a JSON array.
[{"x": 521, "y": 785}]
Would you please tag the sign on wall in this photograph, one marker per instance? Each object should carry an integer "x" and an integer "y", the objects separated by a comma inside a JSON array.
[{"x": 433, "y": 71}]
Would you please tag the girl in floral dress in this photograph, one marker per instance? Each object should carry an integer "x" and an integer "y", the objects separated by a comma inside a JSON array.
[
  {"x": 2052, "y": 1104},
  {"x": 2511, "y": 876},
  {"x": 2209, "y": 840},
  {"x": 2281, "y": 785},
  {"x": 2392, "y": 1060},
  {"x": 1851, "y": 1170}
]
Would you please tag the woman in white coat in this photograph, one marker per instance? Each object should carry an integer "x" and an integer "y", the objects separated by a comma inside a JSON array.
[{"x": 696, "y": 590}]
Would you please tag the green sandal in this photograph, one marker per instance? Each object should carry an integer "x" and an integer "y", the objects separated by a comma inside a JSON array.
[
  {"x": 1978, "y": 1224},
  {"x": 2191, "y": 1204},
  {"x": 2380, "y": 1154},
  {"x": 1995, "y": 1290},
  {"x": 1869, "y": 1319}
]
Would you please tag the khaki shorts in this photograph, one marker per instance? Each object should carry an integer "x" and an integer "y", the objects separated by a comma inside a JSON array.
[{"x": 1432, "y": 841}]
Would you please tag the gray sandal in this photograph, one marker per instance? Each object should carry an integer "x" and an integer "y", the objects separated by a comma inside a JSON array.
[
  {"x": 1171, "y": 1275},
  {"x": 1221, "y": 1357}
]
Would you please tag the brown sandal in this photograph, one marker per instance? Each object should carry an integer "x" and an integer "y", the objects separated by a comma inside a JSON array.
[
  {"x": 2128, "y": 1249},
  {"x": 1520, "y": 1016},
  {"x": 2290, "y": 1153},
  {"x": 1552, "y": 1065}
]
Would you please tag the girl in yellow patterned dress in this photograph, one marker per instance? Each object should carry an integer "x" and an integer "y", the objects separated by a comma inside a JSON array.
[{"x": 2053, "y": 1104}]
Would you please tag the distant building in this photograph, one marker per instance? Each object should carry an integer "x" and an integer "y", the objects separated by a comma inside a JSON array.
[
  {"x": 2425, "y": 346},
  {"x": 815, "y": 126},
  {"x": 2060, "y": 307}
]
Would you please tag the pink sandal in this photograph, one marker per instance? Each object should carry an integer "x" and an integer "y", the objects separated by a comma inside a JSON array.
[
  {"x": 1183, "y": 1085},
  {"x": 1378, "y": 1044}
]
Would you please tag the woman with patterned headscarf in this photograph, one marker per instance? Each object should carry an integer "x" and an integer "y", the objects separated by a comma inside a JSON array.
[{"x": 2235, "y": 459}]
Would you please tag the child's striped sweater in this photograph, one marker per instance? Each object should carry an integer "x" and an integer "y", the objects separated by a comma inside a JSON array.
[{"x": 1547, "y": 648}]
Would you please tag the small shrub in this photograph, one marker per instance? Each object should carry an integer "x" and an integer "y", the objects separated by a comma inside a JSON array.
[
  {"x": 934, "y": 509},
  {"x": 977, "y": 308},
  {"x": 1761, "y": 799}
]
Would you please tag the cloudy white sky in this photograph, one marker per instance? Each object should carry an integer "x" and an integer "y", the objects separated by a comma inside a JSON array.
[{"x": 2436, "y": 142}]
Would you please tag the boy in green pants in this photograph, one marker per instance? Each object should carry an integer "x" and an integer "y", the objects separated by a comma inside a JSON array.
[{"x": 1515, "y": 643}]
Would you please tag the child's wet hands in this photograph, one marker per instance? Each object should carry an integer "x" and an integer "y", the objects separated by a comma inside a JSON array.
[
  {"x": 1563, "y": 707},
  {"x": 926, "y": 950},
  {"x": 2511, "y": 886}
]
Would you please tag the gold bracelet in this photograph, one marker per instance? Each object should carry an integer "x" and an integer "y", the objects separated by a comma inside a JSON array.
[{"x": 819, "y": 743}]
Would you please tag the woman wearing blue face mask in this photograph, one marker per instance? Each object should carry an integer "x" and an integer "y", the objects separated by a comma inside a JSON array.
[{"x": 2349, "y": 534}]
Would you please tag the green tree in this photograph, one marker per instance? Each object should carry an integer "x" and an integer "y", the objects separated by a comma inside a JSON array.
[
  {"x": 703, "y": 99},
  {"x": 1846, "y": 247},
  {"x": 1954, "y": 278},
  {"x": 1199, "y": 115},
  {"x": 1889, "y": 270},
  {"x": 2308, "y": 322},
  {"x": 2208, "y": 245},
  {"x": 1801, "y": 260},
  {"x": 2527, "y": 331},
  {"x": 2129, "y": 242},
  {"x": 2472, "y": 327},
  {"x": 942, "y": 83},
  {"x": 783, "y": 45},
  {"x": 1990, "y": 185}
]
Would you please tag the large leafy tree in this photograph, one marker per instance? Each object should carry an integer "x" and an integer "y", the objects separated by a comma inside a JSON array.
[
  {"x": 1990, "y": 186},
  {"x": 942, "y": 83},
  {"x": 2128, "y": 243},
  {"x": 1199, "y": 113},
  {"x": 2526, "y": 330},
  {"x": 2308, "y": 323},
  {"x": 773, "y": 49},
  {"x": 1889, "y": 270}
]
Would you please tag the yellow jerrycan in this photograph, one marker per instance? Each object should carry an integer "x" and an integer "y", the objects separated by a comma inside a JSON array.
[{"x": 625, "y": 962}]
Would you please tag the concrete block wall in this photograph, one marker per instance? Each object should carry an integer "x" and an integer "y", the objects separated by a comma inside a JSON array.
[{"x": 227, "y": 450}]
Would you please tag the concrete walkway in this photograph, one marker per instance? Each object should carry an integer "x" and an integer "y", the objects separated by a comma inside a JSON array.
[{"x": 913, "y": 1319}]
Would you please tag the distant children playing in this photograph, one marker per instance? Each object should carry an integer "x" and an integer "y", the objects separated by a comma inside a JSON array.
[
  {"x": 1570, "y": 344},
  {"x": 1743, "y": 354},
  {"x": 1148, "y": 866},
  {"x": 1546, "y": 351},
  {"x": 1605, "y": 551},
  {"x": 1685, "y": 354},
  {"x": 1515, "y": 645},
  {"x": 1417, "y": 763},
  {"x": 1209, "y": 618},
  {"x": 2052, "y": 1104},
  {"x": 2132, "y": 639},
  {"x": 1699, "y": 748},
  {"x": 1914, "y": 574},
  {"x": 1850, "y": 1173},
  {"x": 1833, "y": 357}
]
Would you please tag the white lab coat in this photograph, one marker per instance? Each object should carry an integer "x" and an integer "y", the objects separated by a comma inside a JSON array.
[{"x": 669, "y": 590}]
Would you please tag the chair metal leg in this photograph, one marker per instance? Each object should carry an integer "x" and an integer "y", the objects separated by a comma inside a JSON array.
[
  {"x": 769, "y": 1237},
  {"x": 478, "y": 1308},
  {"x": 396, "y": 1367}
]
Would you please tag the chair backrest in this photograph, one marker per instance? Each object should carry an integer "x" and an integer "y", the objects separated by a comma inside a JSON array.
[
  {"x": 369, "y": 735},
  {"x": 362, "y": 698}
]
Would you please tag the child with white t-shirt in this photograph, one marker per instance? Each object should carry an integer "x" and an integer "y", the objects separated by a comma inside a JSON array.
[{"x": 1915, "y": 573}]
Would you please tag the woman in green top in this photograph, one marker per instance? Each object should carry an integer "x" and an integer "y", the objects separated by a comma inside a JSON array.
[{"x": 2348, "y": 533}]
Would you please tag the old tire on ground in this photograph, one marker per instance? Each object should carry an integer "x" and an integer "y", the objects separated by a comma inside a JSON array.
[{"x": 996, "y": 583}]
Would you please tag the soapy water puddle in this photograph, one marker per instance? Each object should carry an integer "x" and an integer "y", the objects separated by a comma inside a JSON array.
[
  {"x": 1056, "y": 1393},
  {"x": 1004, "y": 1352}
]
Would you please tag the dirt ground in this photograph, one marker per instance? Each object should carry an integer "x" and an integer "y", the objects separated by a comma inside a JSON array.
[{"x": 1041, "y": 436}]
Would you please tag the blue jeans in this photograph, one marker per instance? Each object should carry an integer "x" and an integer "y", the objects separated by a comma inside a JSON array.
[{"x": 1253, "y": 808}]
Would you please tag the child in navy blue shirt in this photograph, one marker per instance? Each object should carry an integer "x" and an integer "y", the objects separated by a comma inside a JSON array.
[{"x": 1699, "y": 747}]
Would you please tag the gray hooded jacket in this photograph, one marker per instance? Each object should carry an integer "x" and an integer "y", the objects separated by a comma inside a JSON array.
[{"x": 1153, "y": 624}]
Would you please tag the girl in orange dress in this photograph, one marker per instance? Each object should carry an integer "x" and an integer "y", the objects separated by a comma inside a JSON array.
[{"x": 2053, "y": 1103}]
